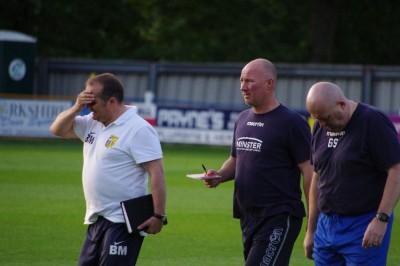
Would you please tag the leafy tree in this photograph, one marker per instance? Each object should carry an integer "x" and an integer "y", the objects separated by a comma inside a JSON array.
[
  {"x": 74, "y": 28},
  {"x": 367, "y": 32},
  {"x": 327, "y": 31},
  {"x": 235, "y": 30}
]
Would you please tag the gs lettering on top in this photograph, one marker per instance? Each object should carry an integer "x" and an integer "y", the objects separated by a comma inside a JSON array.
[
  {"x": 332, "y": 142},
  {"x": 334, "y": 138}
]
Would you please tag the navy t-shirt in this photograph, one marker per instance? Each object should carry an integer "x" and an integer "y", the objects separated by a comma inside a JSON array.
[
  {"x": 352, "y": 163},
  {"x": 268, "y": 147}
]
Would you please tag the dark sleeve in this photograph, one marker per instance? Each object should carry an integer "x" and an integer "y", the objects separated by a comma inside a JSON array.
[
  {"x": 233, "y": 146},
  {"x": 315, "y": 129},
  {"x": 299, "y": 139},
  {"x": 384, "y": 142}
]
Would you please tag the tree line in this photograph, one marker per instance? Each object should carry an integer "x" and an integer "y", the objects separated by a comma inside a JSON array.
[{"x": 295, "y": 31}]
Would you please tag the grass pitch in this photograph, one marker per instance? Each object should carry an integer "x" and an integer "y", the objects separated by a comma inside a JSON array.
[{"x": 42, "y": 209}]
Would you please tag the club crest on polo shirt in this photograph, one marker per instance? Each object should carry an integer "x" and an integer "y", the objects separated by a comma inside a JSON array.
[{"x": 111, "y": 141}]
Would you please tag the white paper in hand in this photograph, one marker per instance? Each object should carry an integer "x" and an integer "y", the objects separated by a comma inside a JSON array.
[{"x": 203, "y": 176}]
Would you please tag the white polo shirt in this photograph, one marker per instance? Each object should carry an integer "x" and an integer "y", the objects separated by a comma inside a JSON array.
[{"x": 111, "y": 171}]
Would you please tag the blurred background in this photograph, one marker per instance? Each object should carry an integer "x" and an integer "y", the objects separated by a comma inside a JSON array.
[
  {"x": 175, "y": 57},
  {"x": 304, "y": 31},
  {"x": 180, "y": 62}
]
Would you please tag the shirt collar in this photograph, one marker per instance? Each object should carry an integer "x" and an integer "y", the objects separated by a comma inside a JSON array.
[{"x": 131, "y": 110}]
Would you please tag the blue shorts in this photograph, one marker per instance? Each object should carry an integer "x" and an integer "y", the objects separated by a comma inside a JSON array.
[
  {"x": 109, "y": 244},
  {"x": 338, "y": 240}
]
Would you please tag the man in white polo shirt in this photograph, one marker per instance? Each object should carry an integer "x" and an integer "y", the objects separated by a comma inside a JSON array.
[{"x": 120, "y": 151}]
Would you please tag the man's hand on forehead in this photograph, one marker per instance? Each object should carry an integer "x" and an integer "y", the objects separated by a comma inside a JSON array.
[{"x": 86, "y": 97}]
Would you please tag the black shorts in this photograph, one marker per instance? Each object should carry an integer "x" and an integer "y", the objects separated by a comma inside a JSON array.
[
  {"x": 108, "y": 243},
  {"x": 269, "y": 240}
]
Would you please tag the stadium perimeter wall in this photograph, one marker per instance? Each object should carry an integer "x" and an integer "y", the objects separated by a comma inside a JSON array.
[
  {"x": 216, "y": 85},
  {"x": 187, "y": 102}
]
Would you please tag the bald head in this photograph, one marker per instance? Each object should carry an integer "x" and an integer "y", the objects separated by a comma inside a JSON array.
[
  {"x": 266, "y": 67},
  {"x": 326, "y": 103},
  {"x": 324, "y": 94},
  {"x": 257, "y": 84}
]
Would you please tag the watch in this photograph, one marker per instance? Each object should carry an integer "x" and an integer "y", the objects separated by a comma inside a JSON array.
[
  {"x": 160, "y": 217},
  {"x": 382, "y": 217}
]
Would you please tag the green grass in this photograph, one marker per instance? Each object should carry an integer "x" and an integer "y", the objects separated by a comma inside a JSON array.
[{"x": 42, "y": 209}]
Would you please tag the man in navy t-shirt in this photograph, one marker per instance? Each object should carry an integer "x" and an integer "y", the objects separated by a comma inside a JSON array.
[
  {"x": 356, "y": 180},
  {"x": 270, "y": 151}
]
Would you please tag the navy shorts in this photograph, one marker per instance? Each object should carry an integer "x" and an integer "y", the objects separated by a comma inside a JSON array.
[
  {"x": 338, "y": 239},
  {"x": 269, "y": 240},
  {"x": 108, "y": 243}
]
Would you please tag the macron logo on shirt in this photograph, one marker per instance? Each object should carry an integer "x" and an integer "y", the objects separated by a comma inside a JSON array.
[{"x": 255, "y": 124}]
